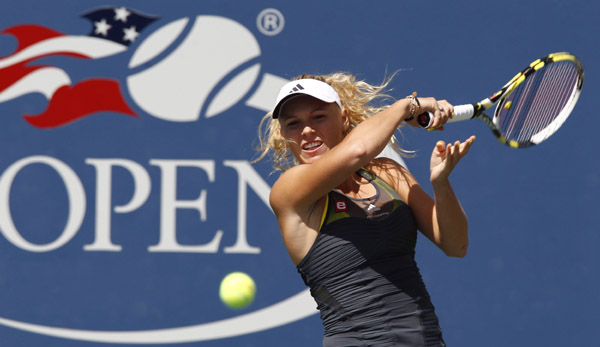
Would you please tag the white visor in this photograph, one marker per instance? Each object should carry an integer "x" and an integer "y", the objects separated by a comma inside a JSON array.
[{"x": 315, "y": 88}]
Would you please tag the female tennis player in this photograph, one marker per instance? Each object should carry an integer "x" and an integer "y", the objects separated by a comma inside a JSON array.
[{"x": 349, "y": 220}]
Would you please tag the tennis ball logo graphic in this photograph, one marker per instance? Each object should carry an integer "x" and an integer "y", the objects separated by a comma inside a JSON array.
[
  {"x": 189, "y": 68},
  {"x": 237, "y": 290}
]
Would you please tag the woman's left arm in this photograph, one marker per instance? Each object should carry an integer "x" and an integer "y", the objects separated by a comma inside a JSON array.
[
  {"x": 442, "y": 218},
  {"x": 449, "y": 221}
]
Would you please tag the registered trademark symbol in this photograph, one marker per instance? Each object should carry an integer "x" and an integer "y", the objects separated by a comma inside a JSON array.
[{"x": 270, "y": 22}]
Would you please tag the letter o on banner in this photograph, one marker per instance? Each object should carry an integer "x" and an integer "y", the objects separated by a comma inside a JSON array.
[{"x": 75, "y": 192}]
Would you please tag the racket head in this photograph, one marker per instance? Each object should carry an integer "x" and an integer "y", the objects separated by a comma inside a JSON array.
[{"x": 538, "y": 100}]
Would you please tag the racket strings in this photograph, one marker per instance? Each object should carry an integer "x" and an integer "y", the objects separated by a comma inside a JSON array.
[
  {"x": 536, "y": 104},
  {"x": 550, "y": 105}
]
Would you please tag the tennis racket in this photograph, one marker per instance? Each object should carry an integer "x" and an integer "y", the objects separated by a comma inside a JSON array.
[{"x": 531, "y": 106}]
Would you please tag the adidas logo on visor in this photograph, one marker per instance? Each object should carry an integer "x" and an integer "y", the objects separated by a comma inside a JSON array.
[{"x": 296, "y": 88}]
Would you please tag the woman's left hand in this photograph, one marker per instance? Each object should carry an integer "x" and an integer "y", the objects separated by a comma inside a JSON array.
[{"x": 445, "y": 157}]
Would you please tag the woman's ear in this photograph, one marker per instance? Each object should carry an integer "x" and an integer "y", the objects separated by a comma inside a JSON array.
[{"x": 345, "y": 121}]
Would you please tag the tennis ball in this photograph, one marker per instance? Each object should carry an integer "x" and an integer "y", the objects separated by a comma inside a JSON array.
[
  {"x": 508, "y": 105},
  {"x": 237, "y": 290}
]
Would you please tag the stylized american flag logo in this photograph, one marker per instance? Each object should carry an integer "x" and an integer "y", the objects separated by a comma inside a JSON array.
[{"x": 114, "y": 29}]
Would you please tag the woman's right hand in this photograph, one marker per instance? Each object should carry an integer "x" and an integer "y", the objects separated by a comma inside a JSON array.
[{"x": 441, "y": 110}]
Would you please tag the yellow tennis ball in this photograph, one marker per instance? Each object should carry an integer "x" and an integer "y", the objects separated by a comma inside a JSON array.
[
  {"x": 508, "y": 105},
  {"x": 237, "y": 290}
]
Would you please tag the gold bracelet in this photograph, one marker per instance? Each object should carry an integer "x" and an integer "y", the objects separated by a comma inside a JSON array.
[{"x": 414, "y": 106}]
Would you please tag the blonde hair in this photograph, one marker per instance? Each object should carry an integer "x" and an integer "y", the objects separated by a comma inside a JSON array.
[{"x": 357, "y": 99}]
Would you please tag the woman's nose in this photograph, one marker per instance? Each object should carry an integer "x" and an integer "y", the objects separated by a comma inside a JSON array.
[{"x": 307, "y": 130}]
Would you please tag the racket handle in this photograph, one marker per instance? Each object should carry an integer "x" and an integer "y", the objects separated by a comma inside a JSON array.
[
  {"x": 461, "y": 112},
  {"x": 425, "y": 119}
]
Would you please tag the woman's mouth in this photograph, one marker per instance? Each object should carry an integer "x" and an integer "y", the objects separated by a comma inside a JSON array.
[{"x": 311, "y": 146}]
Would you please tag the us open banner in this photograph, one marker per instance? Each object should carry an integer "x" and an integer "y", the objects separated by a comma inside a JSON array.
[{"x": 127, "y": 191}]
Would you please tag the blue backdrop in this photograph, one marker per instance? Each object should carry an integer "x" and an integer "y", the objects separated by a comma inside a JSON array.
[{"x": 126, "y": 192}]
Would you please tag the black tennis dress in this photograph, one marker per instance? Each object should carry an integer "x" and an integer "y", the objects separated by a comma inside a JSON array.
[{"x": 362, "y": 273}]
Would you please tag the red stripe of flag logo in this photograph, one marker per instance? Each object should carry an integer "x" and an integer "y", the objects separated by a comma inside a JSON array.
[{"x": 114, "y": 29}]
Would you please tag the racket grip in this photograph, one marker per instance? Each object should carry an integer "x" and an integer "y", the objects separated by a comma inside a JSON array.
[
  {"x": 425, "y": 119},
  {"x": 461, "y": 112}
]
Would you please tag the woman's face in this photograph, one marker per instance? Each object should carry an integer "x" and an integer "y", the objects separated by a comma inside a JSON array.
[{"x": 312, "y": 126}]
